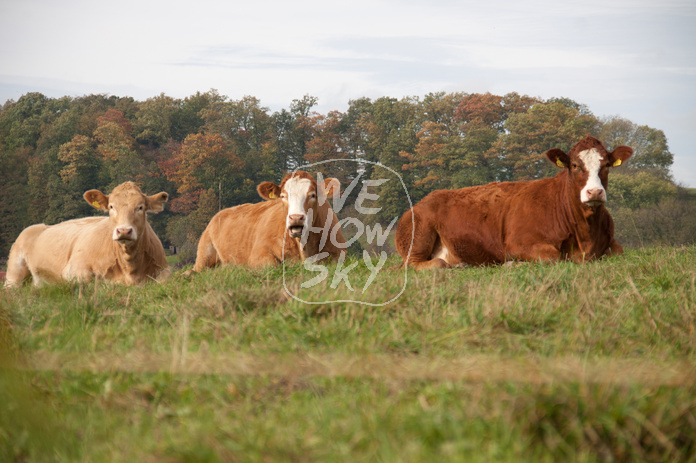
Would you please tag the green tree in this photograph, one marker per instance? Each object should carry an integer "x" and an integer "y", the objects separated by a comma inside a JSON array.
[
  {"x": 184, "y": 230},
  {"x": 391, "y": 128},
  {"x": 291, "y": 133},
  {"x": 518, "y": 154},
  {"x": 23, "y": 121},
  {"x": 650, "y": 149},
  {"x": 639, "y": 189},
  {"x": 14, "y": 197},
  {"x": 153, "y": 125},
  {"x": 248, "y": 130},
  {"x": 188, "y": 119},
  {"x": 117, "y": 150}
]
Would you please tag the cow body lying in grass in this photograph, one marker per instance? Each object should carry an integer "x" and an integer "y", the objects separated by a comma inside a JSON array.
[
  {"x": 562, "y": 217},
  {"x": 290, "y": 224},
  {"x": 122, "y": 247}
]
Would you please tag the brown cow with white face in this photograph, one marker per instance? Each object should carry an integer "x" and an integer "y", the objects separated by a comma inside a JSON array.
[
  {"x": 295, "y": 222},
  {"x": 122, "y": 247},
  {"x": 562, "y": 217}
]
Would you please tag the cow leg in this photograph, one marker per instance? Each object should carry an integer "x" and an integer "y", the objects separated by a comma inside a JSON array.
[
  {"x": 614, "y": 249},
  {"x": 17, "y": 268},
  {"x": 262, "y": 258},
  {"x": 420, "y": 240},
  {"x": 542, "y": 252},
  {"x": 206, "y": 255}
]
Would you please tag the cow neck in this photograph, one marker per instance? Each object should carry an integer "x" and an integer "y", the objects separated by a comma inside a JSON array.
[
  {"x": 581, "y": 220},
  {"x": 311, "y": 248},
  {"x": 129, "y": 256}
]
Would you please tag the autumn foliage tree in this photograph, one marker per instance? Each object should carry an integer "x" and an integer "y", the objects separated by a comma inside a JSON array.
[
  {"x": 210, "y": 152},
  {"x": 202, "y": 162}
]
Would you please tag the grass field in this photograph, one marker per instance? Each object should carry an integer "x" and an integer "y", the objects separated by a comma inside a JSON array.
[{"x": 530, "y": 362}]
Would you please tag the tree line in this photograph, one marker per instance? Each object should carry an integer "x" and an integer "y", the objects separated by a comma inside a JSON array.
[{"x": 209, "y": 152}]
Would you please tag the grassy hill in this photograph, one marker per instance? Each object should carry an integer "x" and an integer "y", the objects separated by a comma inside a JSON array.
[{"x": 516, "y": 363}]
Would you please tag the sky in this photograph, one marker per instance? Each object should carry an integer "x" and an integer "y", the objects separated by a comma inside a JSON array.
[{"x": 635, "y": 59}]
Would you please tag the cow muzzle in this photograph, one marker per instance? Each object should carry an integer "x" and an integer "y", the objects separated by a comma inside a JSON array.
[
  {"x": 595, "y": 197},
  {"x": 296, "y": 224},
  {"x": 124, "y": 234}
]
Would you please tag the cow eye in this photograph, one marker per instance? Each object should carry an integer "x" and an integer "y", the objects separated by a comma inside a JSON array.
[{"x": 312, "y": 195}]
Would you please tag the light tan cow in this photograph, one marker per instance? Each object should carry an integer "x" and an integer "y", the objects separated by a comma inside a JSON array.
[
  {"x": 295, "y": 222},
  {"x": 122, "y": 247}
]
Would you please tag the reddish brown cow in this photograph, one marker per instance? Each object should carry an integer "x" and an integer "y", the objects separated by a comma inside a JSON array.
[
  {"x": 296, "y": 222},
  {"x": 122, "y": 247},
  {"x": 562, "y": 217}
]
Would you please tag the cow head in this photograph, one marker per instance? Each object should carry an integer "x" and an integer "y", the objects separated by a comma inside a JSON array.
[
  {"x": 300, "y": 194},
  {"x": 127, "y": 206},
  {"x": 588, "y": 164}
]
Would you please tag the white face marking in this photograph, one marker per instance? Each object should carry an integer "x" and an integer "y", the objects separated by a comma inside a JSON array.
[
  {"x": 593, "y": 162},
  {"x": 296, "y": 190}
]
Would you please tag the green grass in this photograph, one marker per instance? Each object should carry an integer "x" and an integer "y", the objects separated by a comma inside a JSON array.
[{"x": 530, "y": 362}]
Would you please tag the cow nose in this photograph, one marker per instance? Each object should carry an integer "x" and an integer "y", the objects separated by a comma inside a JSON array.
[
  {"x": 595, "y": 194},
  {"x": 124, "y": 232},
  {"x": 296, "y": 219}
]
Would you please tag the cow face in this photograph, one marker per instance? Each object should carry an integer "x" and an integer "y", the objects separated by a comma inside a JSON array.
[
  {"x": 301, "y": 196},
  {"x": 127, "y": 206},
  {"x": 588, "y": 164}
]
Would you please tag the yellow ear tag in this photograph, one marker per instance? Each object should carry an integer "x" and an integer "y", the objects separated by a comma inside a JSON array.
[
  {"x": 559, "y": 163},
  {"x": 617, "y": 163},
  {"x": 96, "y": 204},
  {"x": 271, "y": 195}
]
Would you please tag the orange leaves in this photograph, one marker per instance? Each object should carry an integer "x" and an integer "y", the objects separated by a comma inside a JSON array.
[
  {"x": 482, "y": 108},
  {"x": 185, "y": 202},
  {"x": 200, "y": 163},
  {"x": 74, "y": 153},
  {"x": 325, "y": 136},
  {"x": 117, "y": 117},
  {"x": 431, "y": 150},
  {"x": 113, "y": 135},
  {"x": 327, "y": 140}
]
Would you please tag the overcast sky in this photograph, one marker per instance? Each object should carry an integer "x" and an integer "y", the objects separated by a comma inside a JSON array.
[{"x": 631, "y": 58}]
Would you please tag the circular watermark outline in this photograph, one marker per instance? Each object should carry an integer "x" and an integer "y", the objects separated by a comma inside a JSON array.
[{"x": 413, "y": 234}]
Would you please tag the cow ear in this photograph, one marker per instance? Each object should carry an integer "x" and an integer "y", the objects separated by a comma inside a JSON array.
[
  {"x": 268, "y": 190},
  {"x": 620, "y": 155},
  {"x": 331, "y": 187},
  {"x": 155, "y": 203},
  {"x": 97, "y": 199},
  {"x": 558, "y": 157}
]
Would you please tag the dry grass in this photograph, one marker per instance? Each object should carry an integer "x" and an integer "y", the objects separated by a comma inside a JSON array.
[{"x": 473, "y": 368}]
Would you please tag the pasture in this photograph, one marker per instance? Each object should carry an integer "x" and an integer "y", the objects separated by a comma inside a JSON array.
[{"x": 531, "y": 362}]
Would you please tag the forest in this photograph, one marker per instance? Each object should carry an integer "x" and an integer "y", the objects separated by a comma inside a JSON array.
[{"x": 209, "y": 152}]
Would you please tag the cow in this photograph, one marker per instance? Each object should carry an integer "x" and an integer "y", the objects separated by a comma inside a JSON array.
[
  {"x": 295, "y": 222},
  {"x": 122, "y": 247},
  {"x": 556, "y": 218}
]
